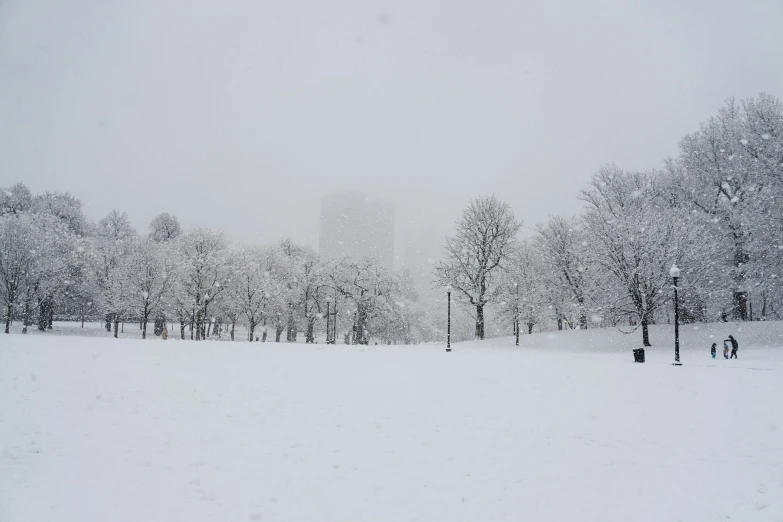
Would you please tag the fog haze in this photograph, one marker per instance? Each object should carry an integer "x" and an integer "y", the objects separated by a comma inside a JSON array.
[{"x": 240, "y": 115}]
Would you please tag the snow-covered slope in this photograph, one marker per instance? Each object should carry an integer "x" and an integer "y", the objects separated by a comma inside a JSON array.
[
  {"x": 96, "y": 429},
  {"x": 693, "y": 337}
]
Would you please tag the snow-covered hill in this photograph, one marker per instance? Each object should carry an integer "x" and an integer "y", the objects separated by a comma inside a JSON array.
[
  {"x": 693, "y": 337},
  {"x": 564, "y": 427}
]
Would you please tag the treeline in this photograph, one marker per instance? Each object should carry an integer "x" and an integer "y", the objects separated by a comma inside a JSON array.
[
  {"x": 54, "y": 262},
  {"x": 715, "y": 211}
]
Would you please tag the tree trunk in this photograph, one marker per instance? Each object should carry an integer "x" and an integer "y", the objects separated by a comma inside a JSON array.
[
  {"x": 530, "y": 328},
  {"x": 233, "y": 324},
  {"x": 310, "y": 333},
  {"x": 559, "y": 323},
  {"x": 480, "y": 322},
  {"x": 108, "y": 323},
  {"x": 741, "y": 258},
  {"x": 116, "y": 325},
  {"x": 182, "y": 329},
  {"x": 645, "y": 332},
  {"x": 198, "y": 325},
  {"x": 278, "y": 332},
  {"x": 291, "y": 328},
  {"x": 9, "y": 310},
  {"x": 361, "y": 326},
  {"x": 26, "y": 318},
  {"x": 43, "y": 315},
  {"x": 740, "y": 301},
  {"x": 252, "y": 329},
  {"x": 145, "y": 316}
]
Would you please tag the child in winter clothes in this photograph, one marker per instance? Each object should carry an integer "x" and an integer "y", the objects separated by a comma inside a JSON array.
[
  {"x": 726, "y": 349},
  {"x": 713, "y": 350}
]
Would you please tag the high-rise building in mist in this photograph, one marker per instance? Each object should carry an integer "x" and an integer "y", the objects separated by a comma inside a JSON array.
[
  {"x": 354, "y": 226},
  {"x": 422, "y": 249}
]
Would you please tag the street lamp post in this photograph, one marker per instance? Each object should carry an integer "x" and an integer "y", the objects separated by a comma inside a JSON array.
[
  {"x": 516, "y": 310},
  {"x": 334, "y": 321},
  {"x": 448, "y": 318},
  {"x": 328, "y": 318},
  {"x": 675, "y": 274}
]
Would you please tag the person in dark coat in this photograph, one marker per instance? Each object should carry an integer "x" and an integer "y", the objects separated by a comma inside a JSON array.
[
  {"x": 713, "y": 350},
  {"x": 734, "y": 347}
]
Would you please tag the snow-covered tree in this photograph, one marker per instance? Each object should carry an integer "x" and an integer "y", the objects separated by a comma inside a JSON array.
[
  {"x": 33, "y": 262},
  {"x": 203, "y": 254},
  {"x": 561, "y": 243},
  {"x": 149, "y": 271},
  {"x": 250, "y": 286},
  {"x": 474, "y": 256},
  {"x": 165, "y": 227},
  {"x": 634, "y": 239},
  {"x": 15, "y": 199},
  {"x": 18, "y": 249},
  {"x": 64, "y": 206},
  {"x": 114, "y": 243},
  {"x": 729, "y": 172},
  {"x": 521, "y": 296},
  {"x": 364, "y": 285}
]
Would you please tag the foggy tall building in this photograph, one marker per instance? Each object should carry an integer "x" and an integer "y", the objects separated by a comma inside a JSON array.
[
  {"x": 423, "y": 248},
  {"x": 354, "y": 226}
]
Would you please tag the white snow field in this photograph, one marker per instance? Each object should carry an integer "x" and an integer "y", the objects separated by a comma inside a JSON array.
[{"x": 563, "y": 428}]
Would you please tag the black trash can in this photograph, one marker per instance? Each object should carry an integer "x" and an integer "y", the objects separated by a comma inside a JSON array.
[{"x": 638, "y": 355}]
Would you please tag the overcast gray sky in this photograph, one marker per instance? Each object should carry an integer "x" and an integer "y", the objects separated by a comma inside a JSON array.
[{"x": 240, "y": 114}]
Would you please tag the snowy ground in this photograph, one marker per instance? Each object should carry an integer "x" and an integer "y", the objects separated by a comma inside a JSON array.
[{"x": 563, "y": 428}]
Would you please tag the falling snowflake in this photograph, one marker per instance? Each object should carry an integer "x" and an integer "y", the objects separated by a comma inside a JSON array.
[
  {"x": 765, "y": 136},
  {"x": 744, "y": 141}
]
